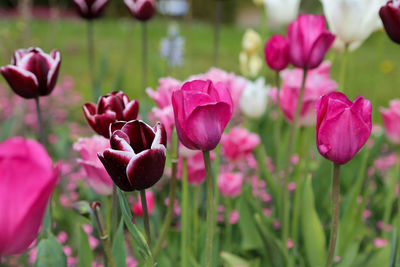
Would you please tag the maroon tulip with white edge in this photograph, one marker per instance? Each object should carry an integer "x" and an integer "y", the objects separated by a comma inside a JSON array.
[
  {"x": 141, "y": 9},
  {"x": 90, "y": 9}
]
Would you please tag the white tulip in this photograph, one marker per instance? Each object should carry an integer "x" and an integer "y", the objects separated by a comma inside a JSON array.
[
  {"x": 253, "y": 101},
  {"x": 352, "y": 21},
  {"x": 281, "y": 12}
]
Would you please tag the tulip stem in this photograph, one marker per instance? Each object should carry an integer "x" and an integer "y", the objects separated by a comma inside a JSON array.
[
  {"x": 42, "y": 134},
  {"x": 210, "y": 208},
  {"x": 335, "y": 214},
  {"x": 217, "y": 23},
  {"x": 145, "y": 216},
  {"x": 115, "y": 212},
  {"x": 144, "y": 55},
  {"x": 184, "y": 215},
  {"x": 172, "y": 190},
  {"x": 90, "y": 43},
  {"x": 278, "y": 125},
  {"x": 195, "y": 218},
  {"x": 343, "y": 68},
  {"x": 291, "y": 141}
]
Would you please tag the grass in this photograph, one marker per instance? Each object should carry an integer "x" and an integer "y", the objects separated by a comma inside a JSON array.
[{"x": 372, "y": 69}]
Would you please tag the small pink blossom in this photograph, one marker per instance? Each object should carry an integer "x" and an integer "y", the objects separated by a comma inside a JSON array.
[
  {"x": 366, "y": 214},
  {"x": 234, "y": 217},
  {"x": 277, "y": 225},
  {"x": 137, "y": 207},
  {"x": 380, "y": 242},
  {"x": 289, "y": 243},
  {"x": 291, "y": 186},
  {"x": 230, "y": 184},
  {"x": 238, "y": 143}
]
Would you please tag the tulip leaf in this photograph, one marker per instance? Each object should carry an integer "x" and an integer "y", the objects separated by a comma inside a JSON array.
[
  {"x": 232, "y": 260},
  {"x": 118, "y": 247},
  {"x": 85, "y": 253},
  {"x": 312, "y": 230},
  {"x": 135, "y": 232},
  {"x": 50, "y": 253}
]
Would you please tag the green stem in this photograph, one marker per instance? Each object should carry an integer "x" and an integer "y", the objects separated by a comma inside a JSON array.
[
  {"x": 90, "y": 43},
  {"x": 291, "y": 141},
  {"x": 228, "y": 211},
  {"x": 144, "y": 55},
  {"x": 278, "y": 126},
  {"x": 145, "y": 217},
  {"x": 343, "y": 68},
  {"x": 195, "y": 218},
  {"x": 42, "y": 134},
  {"x": 335, "y": 214},
  {"x": 115, "y": 212},
  {"x": 184, "y": 215},
  {"x": 390, "y": 196},
  {"x": 210, "y": 208}
]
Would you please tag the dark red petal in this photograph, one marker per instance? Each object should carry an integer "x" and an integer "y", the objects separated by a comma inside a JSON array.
[
  {"x": 22, "y": 82},
  {"x": 131, "y": 110},
  {"x": 140, "y": 134},
  {"x": 116, "y": 126},
  {"x": 120, "y": 141},
  {"x": 103, "y": 122}
]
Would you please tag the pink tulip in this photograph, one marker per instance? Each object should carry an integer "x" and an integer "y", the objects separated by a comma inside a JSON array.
[
  {"x": 98, "y": 177},
  {"x": 141, "y": 9},
  {"x": 276, "y": 52},
  {"x": 202, "y": 111},
  {"x": 343, "y": 127},
  {"x": 162, "y": 96},
  {"x": 195, "y": 168},
  {"x": 90, "y": 9},
  {"x": 230, "y": 184},
  {"x": 26, "y": 182},
  {"x": 137, "y": 208},
  {"x": 318, "y": 83},
  {"x": 391, "y": 121},
  {"x": 110, "y": 108},
  {"x": 238, "y": 143},
  {"x": 309, "y": 40},
  {"x": 32, "y": 73}
]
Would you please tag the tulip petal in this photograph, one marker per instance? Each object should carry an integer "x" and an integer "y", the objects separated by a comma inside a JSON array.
[
  {"x": 53, "y": 71},
  {"x": 146, "y": 168},
  {"x": 116, "y": 126},
  {"x": 160, "y": 137},
  {"x": 120, "y": 141},
  {"x": 98, "y": 177},
  {"x": 22, "y": 82},
  {"x": 103, "y": 121},
  {"x": 98, "y": 6},
  {"x": 131, "y": 110},
  {"x": 141, "y": 135},
  {"x": 319, "y": 48}
]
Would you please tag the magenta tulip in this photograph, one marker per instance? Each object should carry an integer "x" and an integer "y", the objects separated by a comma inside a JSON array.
[
  {"x": 90, "y": 9},
  {"x": 391, "y": 121},
  {"x": 309, "y": 40},
  {"x": 202, "y": 111},
  {"x": 27, "y": 179},
  {"x": 343, "y": 126},
  {"x": 110, "y": 108},
  {"x": 390, "y": 16},
  {"x": 32, "y": 73},
  {"x": 276, "y": 52},
  {"x": 141, "y": 9},
  {"x": 137, "y": 156},
  {"x": 98, "y": 177}
]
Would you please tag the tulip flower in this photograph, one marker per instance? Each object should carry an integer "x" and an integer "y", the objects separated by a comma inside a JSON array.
[
  {"x": 110, "y": 108},
  {"x": 343, "y": 126},
  {"x": 309, "y": 40},
  {"x": 281, "y": 12},
  {"x": 90, "y": 9},
  {"x": 391, "y": 121},
  {"x": 27, "y": 181},
  {"x": 390, "y": 15},
  {"x": 162, "y": 96},
  {"x": 253, "y": 101},
  {"x": 230, "y": 184},
  {"x": 276, "y": 52},
  {"x": 239, "y": 143},
  {"x": 98, "y": 177},
  {"x": 202, "y": 111},
  {"x": 352, "y": 21},
  {"x": 32, "y": 73},
  {"x": 137, "y": 208},
  {"x": 141, "y": 9},
  {"x": 196, "y": 173},
  {"x": 137, "y": 156}
]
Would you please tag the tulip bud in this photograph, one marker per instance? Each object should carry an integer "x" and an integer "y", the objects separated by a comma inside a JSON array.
[
  {"x": 110, "y": 108},
  {"x": 343, "y": 127},
  {"x": 32, "y": 73},
  {"x": 137, "y": 156},
  {"x": 253, "y": 101},
  {"x": 309, "y": 40},
  {"x": 391, "y": 121},
  {"x": 390, "y": 15},
  {"x": 202, "y": 111},
  {"x": 141, "y": 9},
  {"x": 90, "y": 9},
  {"x": 276, "y": 52}
]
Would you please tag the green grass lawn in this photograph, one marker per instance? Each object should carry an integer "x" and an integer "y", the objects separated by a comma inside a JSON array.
[{"x": 372, "y": 69}]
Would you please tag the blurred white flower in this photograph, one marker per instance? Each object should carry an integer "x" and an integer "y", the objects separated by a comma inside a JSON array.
[
  {"x": 175, "y": 8},
  {"x": 352, "y": 21},
  {"x": 249, "y": 59},
  {"x": 172, "y": 47},
  {"x": 281, "y": 12},
  {"x": 253, "y": 101}
]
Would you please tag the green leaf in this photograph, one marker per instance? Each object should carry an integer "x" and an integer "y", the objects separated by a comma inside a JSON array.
[
  {"x": 231, "y": 260},
  {"x": 135, "y": 232},
  {"x": 118, "y": 247},
  {"x": 312, "y": 230},
  {"x": 85, "y": 253},
  {"x": 50, "y": 253}
]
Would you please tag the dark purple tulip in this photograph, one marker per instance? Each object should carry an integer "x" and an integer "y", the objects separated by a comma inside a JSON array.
[
  {"x": 390, "y": 15},
  {"x": 276, "y": 52},
  {"x": 141, "y": 9},
  {"x": 90, "y": 9},
  {"x": 32, "y": 73},
  {"x": 110, "y": 108},
  {"x": 137, "y": 156}
]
